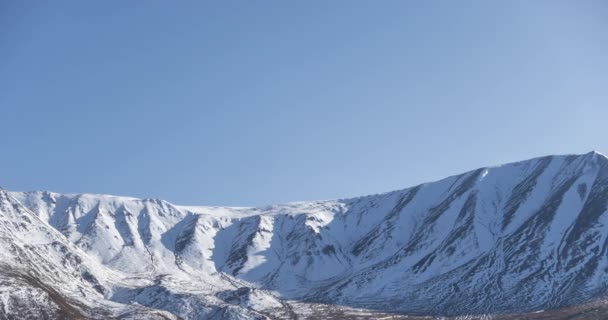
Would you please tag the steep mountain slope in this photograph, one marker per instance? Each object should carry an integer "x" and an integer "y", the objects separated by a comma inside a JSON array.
[
  {"x": 519, "y": 237},
  {"x": 42, "y": 275}
]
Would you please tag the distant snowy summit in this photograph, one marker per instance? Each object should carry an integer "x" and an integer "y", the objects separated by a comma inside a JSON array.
[{"x": 515, "y": 238}]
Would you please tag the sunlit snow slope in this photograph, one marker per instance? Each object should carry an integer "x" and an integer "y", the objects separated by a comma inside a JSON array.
[{"x": 519, "y": 237}]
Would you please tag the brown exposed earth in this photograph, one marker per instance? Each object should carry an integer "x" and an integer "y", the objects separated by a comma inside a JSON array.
[{"x": 595, "y": 310}]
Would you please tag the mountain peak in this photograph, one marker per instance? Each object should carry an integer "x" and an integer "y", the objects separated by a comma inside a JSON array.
[{"x": 596, "y": 153}]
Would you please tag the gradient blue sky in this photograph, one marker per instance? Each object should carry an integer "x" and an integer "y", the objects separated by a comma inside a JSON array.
[{"x": 255, "y": 102}]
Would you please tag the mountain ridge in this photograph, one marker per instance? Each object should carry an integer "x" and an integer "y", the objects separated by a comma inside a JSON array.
[{"x": 194, "y": 207}]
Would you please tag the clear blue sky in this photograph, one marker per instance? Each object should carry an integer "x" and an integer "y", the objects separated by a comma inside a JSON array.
[{"x": 256, "y": 102}]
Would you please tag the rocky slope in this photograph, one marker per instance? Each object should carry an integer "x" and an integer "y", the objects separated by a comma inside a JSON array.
[{"x": 515, "y": 238}]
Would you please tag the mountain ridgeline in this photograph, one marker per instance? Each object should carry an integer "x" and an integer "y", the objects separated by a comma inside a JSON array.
[{"x": 515, "y": 238}]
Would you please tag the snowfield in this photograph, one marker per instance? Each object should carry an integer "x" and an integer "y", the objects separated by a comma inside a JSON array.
[{"x": 520, "y": 237}]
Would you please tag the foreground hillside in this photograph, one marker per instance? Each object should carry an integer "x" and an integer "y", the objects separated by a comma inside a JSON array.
[{"x": 509, "y": 240}]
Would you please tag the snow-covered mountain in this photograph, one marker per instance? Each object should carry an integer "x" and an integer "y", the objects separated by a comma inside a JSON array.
[{"x": 519, "y": 237}]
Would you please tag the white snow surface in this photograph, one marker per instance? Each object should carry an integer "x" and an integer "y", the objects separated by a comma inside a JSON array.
[{"x": 521, "y": 236}]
